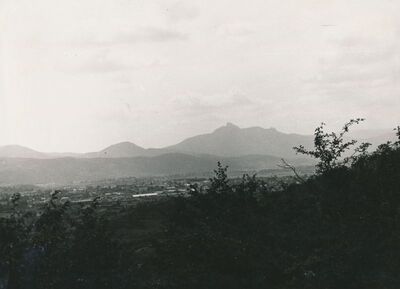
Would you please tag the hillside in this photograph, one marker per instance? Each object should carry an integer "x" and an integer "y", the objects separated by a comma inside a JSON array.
[
  {"x": 253, "y": 149},
  {"x": 230, "y": 140},
  {"x": 337, "y": 229},
  {"x": 67, "y": 170},
  {"x": 17, "y": 151},
  {"x": 119, "y": 150}
]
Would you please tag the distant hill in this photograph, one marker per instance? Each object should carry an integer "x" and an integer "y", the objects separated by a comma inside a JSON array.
[
  {"x": 119, "y": 150},
  {"x": 253, "y": 149},
  {"x": 230, "y": 140},
  {"x": 67, "y": 170},
  {"x": 381, "y": 138},
  {"x": 373, "y": 136},
  {"x": 17, "y": 151},
  {"x": 227, "y": 141}
]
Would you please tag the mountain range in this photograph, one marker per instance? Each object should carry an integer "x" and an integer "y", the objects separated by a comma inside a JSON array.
[{"x": 243, "y": 149}]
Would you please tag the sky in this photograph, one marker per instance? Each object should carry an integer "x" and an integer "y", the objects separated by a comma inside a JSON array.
[{"x": 79, "y": 75}]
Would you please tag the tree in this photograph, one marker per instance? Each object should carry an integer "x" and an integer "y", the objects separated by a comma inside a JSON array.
[
  {"x": 329, "y": 148},
  {"x": 219, "y": 183}
]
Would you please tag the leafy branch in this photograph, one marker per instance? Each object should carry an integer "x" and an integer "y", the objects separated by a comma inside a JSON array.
[{"x": 329, "y": 148}]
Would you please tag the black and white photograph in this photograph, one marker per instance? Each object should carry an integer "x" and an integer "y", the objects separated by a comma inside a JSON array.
[{"x": 183, "y": 144}]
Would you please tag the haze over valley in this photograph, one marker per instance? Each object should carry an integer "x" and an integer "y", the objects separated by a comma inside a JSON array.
[{"x": 244, "y": 150}]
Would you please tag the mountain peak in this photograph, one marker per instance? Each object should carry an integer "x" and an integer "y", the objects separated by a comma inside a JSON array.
[
  {"x": 229, "y": 127},
  {"x": 15, "y": 146},
  {"x": 231, "y": 140},
  {"x": 122, "y": 149},
  {"x": 17, "y": 151},
  {"x": 273, "y": 129},
  {"x": 124, "y": 144}
]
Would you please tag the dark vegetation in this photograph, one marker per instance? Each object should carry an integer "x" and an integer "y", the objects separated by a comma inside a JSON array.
[{"x": 339, "y": 228}]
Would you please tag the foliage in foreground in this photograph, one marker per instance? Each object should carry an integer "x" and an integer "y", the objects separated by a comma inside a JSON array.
[{"x": 337, "y": 229}]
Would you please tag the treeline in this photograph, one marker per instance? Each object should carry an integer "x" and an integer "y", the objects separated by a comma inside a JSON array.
[{"x": 339, "y": 228}]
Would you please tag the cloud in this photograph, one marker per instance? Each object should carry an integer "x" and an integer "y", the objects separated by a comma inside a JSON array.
[
  {"x": 181, "y": 11},
  {"x": 358, "y": 63},
  {"x": 109, "y": 60},
  {"x": 140, "y": 35},
  {"x": 185, "y": 67},
  {"x": 102, "y": 66},
  {"x": 237, "y": 30},
  {"x": 150, "y": 35},
  {"x": 214, "y": 103}
]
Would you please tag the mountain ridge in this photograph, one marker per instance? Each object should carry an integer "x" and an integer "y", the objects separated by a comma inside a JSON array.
[
  {"x": 14, "y": 150},
  {"x": 228, "y": 140},
  {"x": 244, "y": 150},
  {"x": 231, "y": 140}
]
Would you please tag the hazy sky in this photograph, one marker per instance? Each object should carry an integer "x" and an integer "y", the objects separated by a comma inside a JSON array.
[{"x": 78, "y": 75}]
